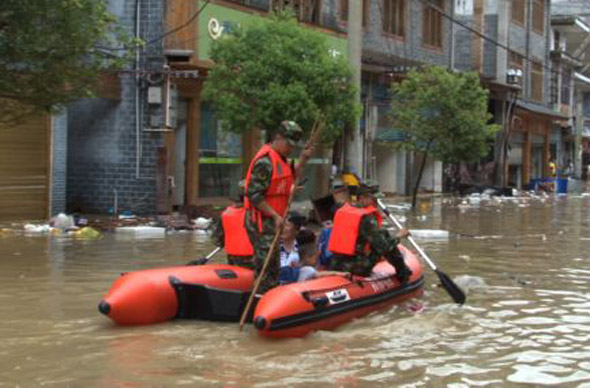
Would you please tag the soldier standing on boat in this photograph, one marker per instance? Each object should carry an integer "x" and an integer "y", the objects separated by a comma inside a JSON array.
[
  {"x": 269, "y": 183},
  {"x": 231, "y": 234},
  {"x": 358, "y": 241}
]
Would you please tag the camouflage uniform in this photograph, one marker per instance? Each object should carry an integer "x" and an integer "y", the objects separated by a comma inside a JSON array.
[
  {"x": 381, "y": 244},
  {"x": 261, "y": 236},
  {"x": 219, "y": 239},
  {"x": 261, "y": 241}
]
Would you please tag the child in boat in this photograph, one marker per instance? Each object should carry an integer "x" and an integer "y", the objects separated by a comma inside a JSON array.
[{"x": 292, "y": 269}]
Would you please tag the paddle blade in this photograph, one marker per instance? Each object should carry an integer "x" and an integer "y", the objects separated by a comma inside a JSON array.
[{"x": 454, "y": 291}]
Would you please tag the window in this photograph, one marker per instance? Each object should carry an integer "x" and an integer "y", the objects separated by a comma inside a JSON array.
[
  {"x": 394, "y": 17},
  {"x": 343, "y": 11},
  {"x": 518, "y": 7},
  {"x": 307, "y": 11},
  {"x": 539, "y": 16},
  {"x": 556, "y": 40},
  {"x": 565, "y": 87},
  {"x": 220, "y": 156},
  {"x": 537, "y": 82},
  {"x": 432, "y": 24}
]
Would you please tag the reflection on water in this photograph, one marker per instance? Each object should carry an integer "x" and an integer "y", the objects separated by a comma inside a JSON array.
[{"x": 523, "y": 263}]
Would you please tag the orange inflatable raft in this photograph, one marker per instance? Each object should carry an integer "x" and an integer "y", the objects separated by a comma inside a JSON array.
[
  {"x": 296, "y": 309},
  {"x": 219, "y": 292},
  {"x": 162, "y": 294}
]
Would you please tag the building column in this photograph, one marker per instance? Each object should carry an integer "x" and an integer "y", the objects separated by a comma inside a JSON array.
[
  {"x": 578, "y": 130},
  {"x": 354, "y": 142},
  {"x": 526, "y": 156},
  {"x": 193, "y": 135},
  {"x": 477, "y": 42},
  {"x": 546, "y": 147},
  {"x": 503, "y": 33}
]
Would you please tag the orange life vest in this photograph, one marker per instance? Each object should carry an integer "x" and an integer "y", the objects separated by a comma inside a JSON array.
[
  {"x": 236, "y": 239},
  {"x": 277, "y": 195},
  {"x": 346, "y": 228}
]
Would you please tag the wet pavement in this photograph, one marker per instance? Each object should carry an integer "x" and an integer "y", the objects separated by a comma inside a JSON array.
[{"x": 525, "y": 264}]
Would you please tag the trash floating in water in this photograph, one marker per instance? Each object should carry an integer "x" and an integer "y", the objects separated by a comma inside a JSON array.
[
  {"x": 31, "y": 228},
  {"x": 62, "y": 222},
  {"x": 142, "y": 231},
  {"x": 202, "y": 223},
  {"x": 465, "y": 257},
  {"x": 489, "y": 237},
  {"x": 521, "y": 281},
  {"x": 430, "y": 234},
  {"x": 468, "y": 282},
  {"x": 399, "y": 206},
  {"x": 87, "y": 233}
]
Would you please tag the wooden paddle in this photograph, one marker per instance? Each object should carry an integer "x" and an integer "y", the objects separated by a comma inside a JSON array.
[
  {"x": 452, "y": 289},
  {"x": 311, "y": 142}
]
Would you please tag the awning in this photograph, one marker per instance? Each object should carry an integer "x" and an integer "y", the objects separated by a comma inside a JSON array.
[{"x": 540, "y": 110}]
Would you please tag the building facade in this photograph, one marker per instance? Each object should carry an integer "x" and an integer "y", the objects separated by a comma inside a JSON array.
[
  {"x": 570, "y": 44},
  {"x": 509, "y": 44},
  {"x": 398, "y": 35},
  {"x": 156, "y": 145}
]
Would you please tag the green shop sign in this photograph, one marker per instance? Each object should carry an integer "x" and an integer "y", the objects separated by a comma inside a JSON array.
[{"x": 215, "y": 20}]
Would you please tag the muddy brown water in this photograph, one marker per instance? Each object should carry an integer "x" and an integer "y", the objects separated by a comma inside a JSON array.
[{"x": 529, "y": 326}]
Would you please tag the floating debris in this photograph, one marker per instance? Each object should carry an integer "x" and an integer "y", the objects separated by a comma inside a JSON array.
[
  {"x": 142, "y": 231},
  {"x": 430, "y": 234},
  {"x": 37, "y": 229},
  {"x": 202, "y": 223},
  {"x": 87, "y": 233},
  {"x": 468, "y": 282}
]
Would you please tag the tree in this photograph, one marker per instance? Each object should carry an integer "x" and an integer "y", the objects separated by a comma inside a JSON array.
[
  {"x": 445, "y": 115},
  {"x": 273, "y": 70},
  {"x": 52, "y": 52}
]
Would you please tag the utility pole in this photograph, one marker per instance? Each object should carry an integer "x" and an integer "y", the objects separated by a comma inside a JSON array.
[{"x": 354, "y": 141}]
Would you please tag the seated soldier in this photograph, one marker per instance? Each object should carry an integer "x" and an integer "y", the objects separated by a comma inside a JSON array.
[
  {"x": 340, "y": 195},
  {"x": 358, "y": 242},
  {"x": 231, "y": 234}
]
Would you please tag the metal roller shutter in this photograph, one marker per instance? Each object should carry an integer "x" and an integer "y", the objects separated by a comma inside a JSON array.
[{"x": 24, "y": 168}]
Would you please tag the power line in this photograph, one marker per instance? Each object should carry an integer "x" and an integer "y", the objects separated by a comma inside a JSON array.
[{"x": 485, "y": 37}]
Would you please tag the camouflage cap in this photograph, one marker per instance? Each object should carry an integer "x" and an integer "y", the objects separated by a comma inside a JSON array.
[
  {"x": 369, "y": 188},
  {"x": 291, "y": 131}
]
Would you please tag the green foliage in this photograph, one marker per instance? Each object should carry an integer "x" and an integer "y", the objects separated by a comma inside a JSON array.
[
  {"x": 446, "y": 112},
  {"x": 50, "y": 55},
  {"x": 273, "y": 70}
]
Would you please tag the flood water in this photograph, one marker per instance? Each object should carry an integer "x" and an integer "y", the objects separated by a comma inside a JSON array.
[{"x": 529, "y": 325}]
